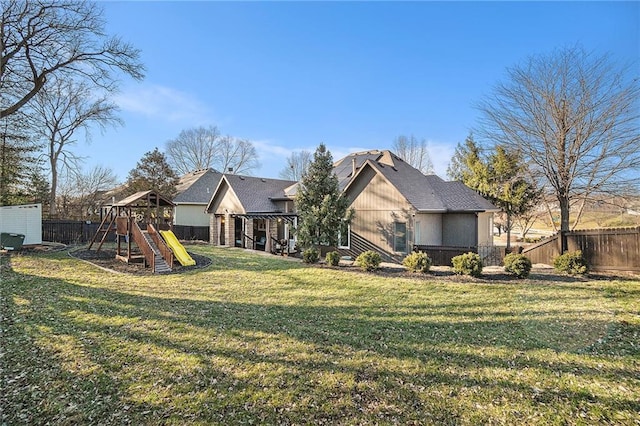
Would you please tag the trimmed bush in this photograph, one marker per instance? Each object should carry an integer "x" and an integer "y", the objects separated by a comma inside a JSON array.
[
  {"x": 332, "y": 258},
  {"x": 517, "y": 264},
  {"x": 572, "y": 263},
  {"x": 310, "y": 255},
  {"x": 467, "y": 264},
  {"x": 417, "y": 262},
  {"x": 368, "y": 260}
]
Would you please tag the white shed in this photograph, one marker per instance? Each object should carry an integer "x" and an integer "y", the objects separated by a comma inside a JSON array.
[{"x": 25, "y": 219}]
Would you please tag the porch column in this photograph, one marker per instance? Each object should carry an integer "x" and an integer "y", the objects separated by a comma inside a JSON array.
[
  {"x": 267, "y": 234},
  {"x": 229, "y": 224},
  {"x": 248, "y": 229},
  {"x": 213, "y": 230}
]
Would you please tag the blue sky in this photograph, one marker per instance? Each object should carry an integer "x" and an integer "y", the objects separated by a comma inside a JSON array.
[{"x": 353, "y": 75}]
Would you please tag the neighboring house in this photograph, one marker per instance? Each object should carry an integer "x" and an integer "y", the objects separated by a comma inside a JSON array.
[
  {"x": 252, "y": 212},
  {"x": 194, "y": 191},
  {"x": 396, "y": 208}
]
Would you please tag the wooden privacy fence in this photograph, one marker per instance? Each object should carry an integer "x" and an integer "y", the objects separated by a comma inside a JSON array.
[
  {"x": 190, "y": 233},
  {"x": 68, "y": 231},
  {"x": 79, "y": 232},
  {"x": 604, "y": 249}
]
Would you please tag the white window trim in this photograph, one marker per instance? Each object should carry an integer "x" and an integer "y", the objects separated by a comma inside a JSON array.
[{"x": 348, "y": 246}]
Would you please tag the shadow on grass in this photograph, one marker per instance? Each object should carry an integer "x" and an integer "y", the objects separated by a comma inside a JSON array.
[{"x": 76, "y": 354}]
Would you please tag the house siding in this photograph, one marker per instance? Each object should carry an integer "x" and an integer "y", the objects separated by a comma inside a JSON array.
[
  {"x": 228, "y": 203},
  {"x": 378, "y": 205},
  {"x": 485, "y": 229},
  {"x": 191, "y": 215},
  {"x": 224, "y": 204},
  {"x": 428, "y": 229},
  {"x": 460, "y": 230}
]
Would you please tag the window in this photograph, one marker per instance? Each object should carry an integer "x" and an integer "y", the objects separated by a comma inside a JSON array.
[
  {"x": 344, "y": 236},
  {"x": 400, "y": 237}
]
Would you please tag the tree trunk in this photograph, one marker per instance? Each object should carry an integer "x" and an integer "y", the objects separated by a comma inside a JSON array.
[
  {"x": 53, "y": 207},
  {"x": 508, "y": 229},
  {"x": 564, "y": 222}
]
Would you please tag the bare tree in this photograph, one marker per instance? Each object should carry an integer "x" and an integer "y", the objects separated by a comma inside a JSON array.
[
  {"x": 59, "y": 111},
  {"x": 43, "y": 39},
  {"x": 193, "y": 149},
  {"x": 237, "y": 156},
  {"x": 415, "y": 152},
  {"x": 527, "y": 219},
  {"x": 80, "y": 193},
  {"x": 204, "y": 147},
  {"x": 297, "y": 165},
  {"x": 573, "y": 117}
]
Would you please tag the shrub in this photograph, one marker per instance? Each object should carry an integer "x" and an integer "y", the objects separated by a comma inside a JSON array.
[
  {"x": 368, "y": 260},
  {"x": 571, "y": 263},
  {"x": 332, "y": 258},
  {"x": 467, "y": 264},
  {"x": 310, "y": 255},
  {"x": 517, "y": 264},
  {"x": 417, "y": 262}
]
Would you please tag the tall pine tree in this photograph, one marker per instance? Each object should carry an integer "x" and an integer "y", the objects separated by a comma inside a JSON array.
[
  {"x": 21, "y": 179},
  {"x": 321, "y": 206}
]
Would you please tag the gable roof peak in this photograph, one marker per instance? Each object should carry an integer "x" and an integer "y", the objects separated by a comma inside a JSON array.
[{"x": 383, "y": 156}]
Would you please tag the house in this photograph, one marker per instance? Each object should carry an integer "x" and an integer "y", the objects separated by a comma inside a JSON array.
[
  {"x": 194, "y": 191},
  {"x": 396, "y": 209},
  {"x": 252, "y": 212}
]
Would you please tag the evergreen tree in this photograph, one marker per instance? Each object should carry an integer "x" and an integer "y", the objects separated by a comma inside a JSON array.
[
  {"x": 17, "y": 160},
  {"x": 509, "y": 189},
  {"x": 321, "y": 206},
  {"x": 468, "y": 166},
  {"x": 499, "y": 177},
  {"x": 38, "y": 188},
  {"x": 153, "y": 173}
]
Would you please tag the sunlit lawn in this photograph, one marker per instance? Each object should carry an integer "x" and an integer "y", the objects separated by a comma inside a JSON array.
[{"x": 261, "y": 340}]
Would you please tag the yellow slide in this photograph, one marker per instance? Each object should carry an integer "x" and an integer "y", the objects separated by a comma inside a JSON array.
[{"x": 178, "y": 249}]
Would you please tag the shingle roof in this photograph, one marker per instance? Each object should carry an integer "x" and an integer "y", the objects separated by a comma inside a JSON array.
[
  {"x": 344, "y": 167},
  {"x": 256, "y": 194},
  {"x": 197, "y": 187},
  {"x": 459, "y": 197},
  {"x": 426, "y": 193},
  {"x": 144, "y": 198}
]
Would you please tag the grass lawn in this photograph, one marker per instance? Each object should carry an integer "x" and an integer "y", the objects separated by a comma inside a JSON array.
[{"x": 261, "y": 340}]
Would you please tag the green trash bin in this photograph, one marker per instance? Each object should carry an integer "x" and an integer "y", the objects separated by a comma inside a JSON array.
[{"x": 11, "y": 241}]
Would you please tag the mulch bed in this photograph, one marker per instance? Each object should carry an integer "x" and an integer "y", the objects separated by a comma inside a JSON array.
[
  {"x": 539, "y": 273},
  {"x": 107, "y": 259}
]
